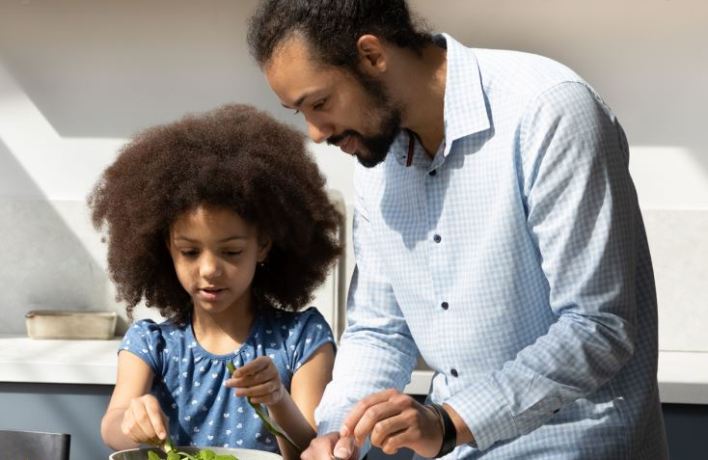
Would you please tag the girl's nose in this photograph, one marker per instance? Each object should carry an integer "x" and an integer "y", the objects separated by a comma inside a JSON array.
[{"x": 209, "y": 266}]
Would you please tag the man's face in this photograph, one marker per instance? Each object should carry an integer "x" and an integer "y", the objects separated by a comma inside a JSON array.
[{"x": 342, "y": 108}]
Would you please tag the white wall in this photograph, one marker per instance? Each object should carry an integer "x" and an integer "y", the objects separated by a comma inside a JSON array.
[{"x": 77, "y": 77}]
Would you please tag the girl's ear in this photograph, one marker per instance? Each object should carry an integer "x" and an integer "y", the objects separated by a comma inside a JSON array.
[{"x": 264, "y": 246}]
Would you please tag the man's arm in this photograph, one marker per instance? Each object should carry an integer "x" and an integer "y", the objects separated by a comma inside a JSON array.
[
  {"x": 376, "y": 350},
  {"x": 583, "y": 214}
]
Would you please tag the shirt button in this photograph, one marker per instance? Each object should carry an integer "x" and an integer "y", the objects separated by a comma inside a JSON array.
[
  {"x": 437, "y": 238},
  {"x": 433, "y": 172},
  {"x": 445, "y": 305},
  {"x": 453, "y": 372}
]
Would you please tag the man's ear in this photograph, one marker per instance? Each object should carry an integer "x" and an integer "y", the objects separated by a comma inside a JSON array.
[
  {"x": 264, "y": 246},
  {"x": 372, "y": 55}
]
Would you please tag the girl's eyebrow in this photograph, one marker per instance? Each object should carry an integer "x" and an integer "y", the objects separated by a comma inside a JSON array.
[{"x": 224, "y": 240}]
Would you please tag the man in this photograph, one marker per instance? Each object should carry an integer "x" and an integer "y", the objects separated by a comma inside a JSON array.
[{"x": 496, "y": 232}]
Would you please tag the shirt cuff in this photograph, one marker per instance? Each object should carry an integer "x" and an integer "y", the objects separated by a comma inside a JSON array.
[
  {"x": 485, "y": 411},
  {"x": 329, "y": 426}
]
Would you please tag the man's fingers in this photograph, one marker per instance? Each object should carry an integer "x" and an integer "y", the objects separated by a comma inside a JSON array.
[
  {"x": 395, "y": 441},
  {"x": 344, "y": 448},
  {"x": 377, "y": 417},
  {"x": 355, "y": 415},
  {"x": 320, "y": 448},
  {"x": 386, "y": 428}
]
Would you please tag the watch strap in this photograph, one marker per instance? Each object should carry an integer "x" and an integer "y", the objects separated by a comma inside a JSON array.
[{"x": 449, "y": 432}]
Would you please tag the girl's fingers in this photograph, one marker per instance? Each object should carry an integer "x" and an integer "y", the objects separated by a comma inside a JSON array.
[
  {"x": 156, "y": 417},
  {"x": 254, "y": 377},
  {"x": 145, "y": 420},
  {"x": 132, "y": 428},
  {"x": 258, "y": 391},
  {"x": 253, "y": 367},
  {"x": 142, "y": 420}
]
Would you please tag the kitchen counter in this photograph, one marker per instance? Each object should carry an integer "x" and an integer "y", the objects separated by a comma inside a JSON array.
[
  {"x": 58, "y": 361},
  {"x": 683, "y": 376}
]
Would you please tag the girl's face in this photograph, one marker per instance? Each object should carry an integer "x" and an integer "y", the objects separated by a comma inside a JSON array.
[{"x": 215, "y": 253}]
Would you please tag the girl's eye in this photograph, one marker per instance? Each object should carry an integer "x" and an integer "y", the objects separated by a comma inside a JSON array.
[
  {"x": 319, "y": 105},
  {"x": 232, "y": 253},
  {"x": 189, "y": 252}
]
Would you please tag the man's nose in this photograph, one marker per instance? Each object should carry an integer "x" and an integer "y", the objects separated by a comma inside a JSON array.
[{"x": 318, "y": 132}]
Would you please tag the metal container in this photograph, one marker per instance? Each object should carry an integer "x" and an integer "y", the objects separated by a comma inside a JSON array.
[
  {"x": 68, "y": 324},
  {"x": 241, "y": 454}
]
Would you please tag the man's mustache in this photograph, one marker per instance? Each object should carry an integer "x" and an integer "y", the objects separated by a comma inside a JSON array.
[{"x": 337, "y": 138}]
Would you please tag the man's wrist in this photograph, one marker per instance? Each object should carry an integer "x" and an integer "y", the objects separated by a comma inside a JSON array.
[
  {"x": 464, "y": 435},
  {"x": 449, "y": 432}
]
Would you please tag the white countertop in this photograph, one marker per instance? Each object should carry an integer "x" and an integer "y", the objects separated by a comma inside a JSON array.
[
  {"x": 58, "y": 361},
  {"x": 683, "y": 376}
]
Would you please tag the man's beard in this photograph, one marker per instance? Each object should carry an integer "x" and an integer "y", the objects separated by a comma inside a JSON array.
[{"x": 377, "y": 146}]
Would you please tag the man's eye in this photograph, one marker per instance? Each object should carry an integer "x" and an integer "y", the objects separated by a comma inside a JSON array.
[
  {"x": 319, "y": 105},
  {"x": 189, "y": 252}
]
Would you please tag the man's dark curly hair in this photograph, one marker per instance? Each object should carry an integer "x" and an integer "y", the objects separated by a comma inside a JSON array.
[
  {"x": 332, "y": 27},
  {"x": 234, "y": 157}
]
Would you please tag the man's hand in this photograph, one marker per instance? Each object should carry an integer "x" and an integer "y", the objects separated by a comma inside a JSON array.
[
  {"x": 394, "y": 420},
  {"x": 330, "y": 446}
]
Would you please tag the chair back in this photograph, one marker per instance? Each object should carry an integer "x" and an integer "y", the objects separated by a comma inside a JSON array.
[{"x": 34, "y": 445}]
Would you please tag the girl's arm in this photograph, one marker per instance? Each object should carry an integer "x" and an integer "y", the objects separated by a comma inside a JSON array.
[
  {"x": 133, "y": 415},
  {"x": 294, "y": 411}
]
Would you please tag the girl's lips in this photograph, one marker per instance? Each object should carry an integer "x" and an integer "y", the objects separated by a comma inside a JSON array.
[{"x": 211, "y": 295}]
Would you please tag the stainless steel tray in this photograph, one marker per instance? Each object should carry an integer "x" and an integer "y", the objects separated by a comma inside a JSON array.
[{"x": 71, "y": 324}]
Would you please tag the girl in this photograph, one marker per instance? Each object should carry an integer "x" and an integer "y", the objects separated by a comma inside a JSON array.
[{"x": 221, "y": 222}]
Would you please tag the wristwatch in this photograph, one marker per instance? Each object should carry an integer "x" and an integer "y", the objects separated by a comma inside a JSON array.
[{"x": 449, "y": 431}]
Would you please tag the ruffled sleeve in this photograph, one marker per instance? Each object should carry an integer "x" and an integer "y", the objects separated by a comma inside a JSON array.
[{"x": 144, "y": 340}]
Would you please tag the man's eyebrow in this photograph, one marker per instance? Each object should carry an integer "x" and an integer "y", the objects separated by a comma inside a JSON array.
[{"x": 298, "y": 102}]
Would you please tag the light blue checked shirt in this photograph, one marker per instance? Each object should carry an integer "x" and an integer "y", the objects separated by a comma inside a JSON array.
[{"x": 516, "y": 263}]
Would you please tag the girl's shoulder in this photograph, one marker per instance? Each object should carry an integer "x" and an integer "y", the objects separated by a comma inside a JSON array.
[
  {"x": 297, "y": 321},
  {"x": 299, "y": 334},
  {"x": 147, "y": 330}
]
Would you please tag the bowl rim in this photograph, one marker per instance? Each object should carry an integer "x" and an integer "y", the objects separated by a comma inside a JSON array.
[{"x": 244, "y": 451}]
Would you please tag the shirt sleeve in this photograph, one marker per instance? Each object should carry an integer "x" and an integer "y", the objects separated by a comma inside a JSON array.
[
  {"x": 144, "y": 340},
  {"x": 376, "y": 350},
  {"x": 582, "y": 213},
  {"x": 313, "y": 332}
]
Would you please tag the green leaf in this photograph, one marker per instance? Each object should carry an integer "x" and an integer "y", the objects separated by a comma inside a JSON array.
[
  {"x": 206, "y": 454},
  {"x": 173, "y": 455},
  {"x": 271, "y": 425},
  {"x": 153, "y": 456}
]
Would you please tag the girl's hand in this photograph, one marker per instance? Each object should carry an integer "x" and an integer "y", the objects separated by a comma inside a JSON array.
[
  {"x": 258, "y": 380},
  {"x": 143, "y": 421}
]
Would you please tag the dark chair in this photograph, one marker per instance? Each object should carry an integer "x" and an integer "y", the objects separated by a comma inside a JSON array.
[{"x": 34, "y": 445}]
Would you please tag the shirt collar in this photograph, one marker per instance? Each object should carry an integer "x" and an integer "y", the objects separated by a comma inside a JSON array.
[{"x": 465, "y": 109}]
